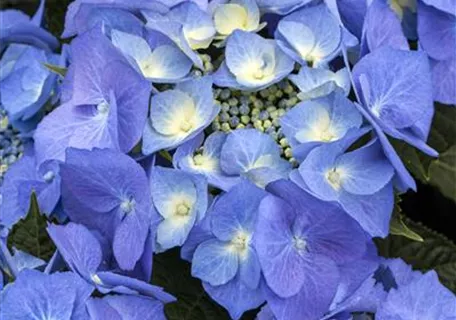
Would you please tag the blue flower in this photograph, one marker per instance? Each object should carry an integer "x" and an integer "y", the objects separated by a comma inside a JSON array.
[
  {"x": 85, "y": 256},
  {"x": 311, "y": 34},
  {"x": 119, "y": 307},
  {"x": 205, "y": 159},
  {"x": 108, "y": 191},
  {"x": 360, "y": 181},
  {"x": 21, "y": 179},
  {"x": 160, "y": 62},
  {"x": 26, "y": 84},
  {"x": 107, "y": 106},
  {"x": 236, "y": 15},
  {"x": 189, "y": 27},
  {"x": 228, "y": 262},
  {"x": 281, "y": 7},
  {"x": 396, "y": 92},
  {"x": 252, "y": 63},
  {"x": 36, "y": 295},
  {"x": 179, "y": 114},
  {"x": 254, "y": 155},
  {"x": 316, "y": 82},
  {"x": 300, "y": 241},
  {"x": 181, "y": 198},
  {"x": 17, "y": 27},
  {"x": 313, "y": 123}
]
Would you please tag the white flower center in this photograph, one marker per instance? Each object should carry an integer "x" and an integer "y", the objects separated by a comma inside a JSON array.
[
  {"x": 103, "y": 107},
  {"x": 49, "y": 176},
  {"x": 334, "y": 177},
  {"x": 182, "y": 209},
  {"x": 128, "y": 205},
  {"x": 300, "y": 244}
]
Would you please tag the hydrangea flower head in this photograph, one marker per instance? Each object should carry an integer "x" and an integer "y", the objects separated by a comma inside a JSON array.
[
  {"x": 108, "y": 191},
  {"x": 319, "y": 121},
  {"x": 311, "y": 34},
  {"x": 189, "y": 27},
  {"x": 162, "y": 63},
  {"x": 227, "y": 261},
  {"x": 252, "y": 63},
  {"x": 252, "y": 154},
  {"x": 236, "y": 15},
  {"x": 179, "y": 114},
  {"x": 360, "y": 181},
  {"x": 300, "y": 240},
  {"x": 205, "y": 159},
  {"x": 181, "y": 199},
  {"x": 104, "y": 110},
  {"x": 37, "y": 295}
]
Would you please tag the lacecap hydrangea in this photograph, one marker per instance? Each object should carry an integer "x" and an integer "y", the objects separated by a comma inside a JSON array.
[{"x": 252, "y": 137}]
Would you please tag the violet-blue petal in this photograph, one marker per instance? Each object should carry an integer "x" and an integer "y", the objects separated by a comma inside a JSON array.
[
  {"x": 235, "y": 296},
  {"x": 281, "y": 7},
  {"x": 444, "y": 80}
]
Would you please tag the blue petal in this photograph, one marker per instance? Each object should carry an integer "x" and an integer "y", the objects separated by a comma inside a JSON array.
[
  {"x": 23, "y": 260},
  {"x": 313, "y": 300},
  {"x": 382, "y": 27},
  {"x": 78, "y": 246},
  {"x": 373, "y": 212},
  {"x": 215, "y": 262},
  {"x": 236, "y": 211},
  {"x": 250, "y": 269},
  {"x": 444, "y": 80},
  {"x": 283, "y": 267},
  {"x": 248, "y": 149},
  {"x": 281, "y": 7},
  {"x": 235, "y": 296},
  {"x": 437, "y": 31},
  {"x": 99, "y": 308},
  {"x": 367, "y": 170},
  {"x": 136, "y": 307},
  {"x": 313, "y": 82}
]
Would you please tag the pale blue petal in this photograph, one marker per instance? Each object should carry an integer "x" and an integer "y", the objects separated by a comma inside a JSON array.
[
  {"x": 250, "y": 269},
  {"x": 215, "y": 262}
]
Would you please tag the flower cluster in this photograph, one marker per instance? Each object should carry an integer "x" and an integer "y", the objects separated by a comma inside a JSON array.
[{"x": 252, "y": 134}]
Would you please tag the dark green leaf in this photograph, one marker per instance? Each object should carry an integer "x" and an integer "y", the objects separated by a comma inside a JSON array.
[
  {"x": 173, "y": 274},
  {"x": 435, "y": 252},
  {"x": 398, "y": 226},
  {"x": 56, "y": 69},
  {"x": 440, "y": 172},
  {"x": 30, "y": 234}
]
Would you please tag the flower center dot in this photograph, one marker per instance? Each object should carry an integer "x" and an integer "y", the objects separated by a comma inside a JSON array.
[
  {"x": 49, "y": 176},
  {"x": 128, "y": 205},
  {"x": 182, "y": 209}
]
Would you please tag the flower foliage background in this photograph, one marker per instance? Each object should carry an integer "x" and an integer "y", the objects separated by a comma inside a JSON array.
[{"x": 228, "y": 159}]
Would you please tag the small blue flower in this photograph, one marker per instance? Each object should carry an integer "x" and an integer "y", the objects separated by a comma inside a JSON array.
[
  {"x": 108, "y": 191},
  {"x": 320, "y": 121},
  {"x": 159, "y": 62},
  {"x": 119, "y": 307},
  {"x": 396, "y": 92},
  {"x": 236, "y": 15},
  {"x": 180, "y": 114},
  {"x": 104, "y": 110},
  {"x": 181, "y": 199},
  {"x": 23, "y": 178},
  {"x": 300, "y": 242},
  {"x": 189, "y": 27},
  {"x": 254, "y": 155},
  {"x": 227, "y": 261},
  {"x": 252, "y": 63},
  {"x": 311, "y": 34},
  {"x": 38, "y": 295},
  {"x": 26, "y": 84},
  {"x": 85, "y": 256},
  {"x": 315, "y": 82},
  {"x": 205, "y": 159},
  {"x": 360, "y": 181}
]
